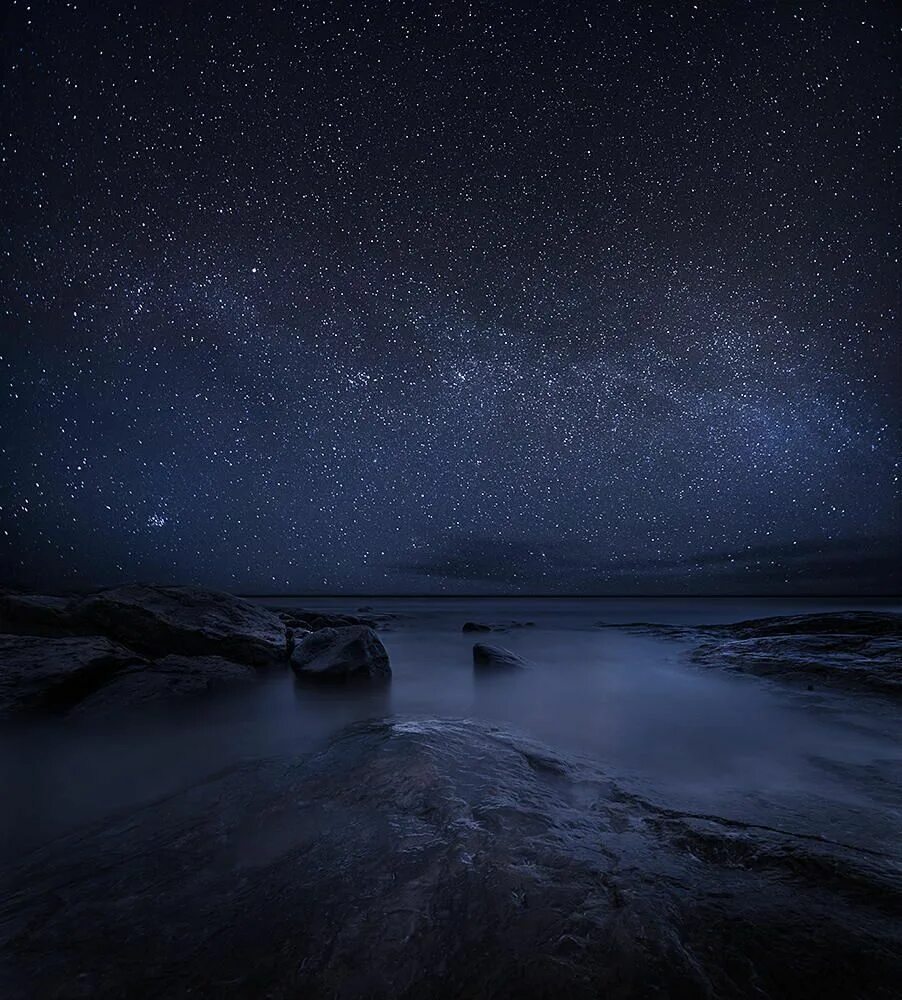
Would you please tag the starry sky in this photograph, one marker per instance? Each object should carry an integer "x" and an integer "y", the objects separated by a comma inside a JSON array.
[{"x": 414, "y": 297}]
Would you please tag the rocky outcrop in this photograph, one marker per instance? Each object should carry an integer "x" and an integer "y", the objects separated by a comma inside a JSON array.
[
  {"x": 854, "y": 650},
  {"x": 164, "y": 680},
  {"x": 186, "y": 620},
  {"x": 487, "y": 656},
  {"x": 347, "y": 653},
  {"x": 437, "y": 860},
  {"x": 840, "y": 660},
  {"x": 40, "y": 674},
  {"x": 475, "y": 627}
]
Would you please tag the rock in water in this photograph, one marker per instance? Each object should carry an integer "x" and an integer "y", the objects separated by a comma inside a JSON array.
[
  {"x": 496, "y": 657},
  {"x": 476, "y": 627},
  {"x": 40, "y": 674},
  {"x": 354, "y": 651},
  {"x": 185, "y": 620}
]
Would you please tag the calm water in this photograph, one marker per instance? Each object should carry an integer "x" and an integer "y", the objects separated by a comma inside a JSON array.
[{"x": 685, "y": 737}]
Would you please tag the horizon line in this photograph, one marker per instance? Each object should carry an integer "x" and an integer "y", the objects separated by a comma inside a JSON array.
[{"x": 720, "y": 596}]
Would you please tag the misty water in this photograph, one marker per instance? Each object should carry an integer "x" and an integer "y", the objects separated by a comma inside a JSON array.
[{"x": 691, "y": 738}]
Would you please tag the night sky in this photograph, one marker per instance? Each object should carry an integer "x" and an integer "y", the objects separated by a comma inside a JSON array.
[{"x": 446, "y": 297}]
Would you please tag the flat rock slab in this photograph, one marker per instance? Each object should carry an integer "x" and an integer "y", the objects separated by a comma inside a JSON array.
[
  {"x": 438, "y": 860},
  {"x": 39, "y": 674},
  {"x": 852, "y": 660},
  {"x": 487, "y": 656},
  {"x": 853, "y": 650},
  {"x": 185, "y": 621},
  {"x": 350, "y": 652}
]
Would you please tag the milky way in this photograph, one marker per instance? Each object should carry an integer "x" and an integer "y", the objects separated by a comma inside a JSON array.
[{"x": 451, "y": 297}]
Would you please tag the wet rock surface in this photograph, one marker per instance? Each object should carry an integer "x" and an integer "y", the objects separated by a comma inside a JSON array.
[
  {"x": 186, "y": 620},
  {"x": 41, "y": 674},
  {"x": 490, "y": 657},
  {"x": 440, "y": 859},
  {"x": 855, "y": 650},
  {"x": 352, "y": 652}
]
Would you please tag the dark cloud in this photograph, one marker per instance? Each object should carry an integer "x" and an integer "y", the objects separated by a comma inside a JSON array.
[{"x": 841, "y": 566}]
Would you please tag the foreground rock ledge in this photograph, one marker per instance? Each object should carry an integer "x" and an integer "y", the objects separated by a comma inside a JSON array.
[{"x": 438, "y": 860}]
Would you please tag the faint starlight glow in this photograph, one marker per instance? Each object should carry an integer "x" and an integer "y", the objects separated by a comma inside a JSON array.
[{"x": 580, "y": 303}]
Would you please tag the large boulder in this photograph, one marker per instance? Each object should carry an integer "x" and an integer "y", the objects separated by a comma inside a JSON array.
[
  {"x": 186, "y": 621},
  {"x": 40, "y": 674},
  {"x": 350, "y": 652},
  {"x": 487, "y": 656},
  {"x": 164, "y": 680},
  {"x": 437, "y": 860}
]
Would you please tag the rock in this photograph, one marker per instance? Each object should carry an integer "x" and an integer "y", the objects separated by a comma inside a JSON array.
[
  {"x": 496, "y": 657},
  {"x": 855, "y": 650},
  {"x": 353, "y": 651},
  {"x": 437, "y": 860},
  {"x": 185, "y": 620},
  {"x": 852, "y": 660},
  {"x": 34, "y": 614},
  {"x": 476, "y": 627},
  {"x": 163, "y": 680},
  {"x": 52, "y": 675},
  {"x": 872, "y": 624},
  {"x": 312, "y": 620}
]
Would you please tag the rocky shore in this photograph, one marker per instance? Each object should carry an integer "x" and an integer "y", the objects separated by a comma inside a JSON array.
[
  {"x": 850, "y": 650},
  {"x": 423, "y": 857},
  {"x": 141, "y": 643}
]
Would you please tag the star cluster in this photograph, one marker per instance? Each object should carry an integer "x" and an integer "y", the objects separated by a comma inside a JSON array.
[{"x": 443, "y": 297}]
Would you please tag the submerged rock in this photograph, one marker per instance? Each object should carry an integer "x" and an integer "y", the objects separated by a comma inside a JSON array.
[
  {"x": 354, "y": 651},
  {"x": 496, "y": 657},
  {"x": 185, "y": 620},
  {"x": 39, "y": 674},
  {"x": 163, "y": 680},
  {"x": 439, "y": 860},
  {"x": 475, "y": 627}
]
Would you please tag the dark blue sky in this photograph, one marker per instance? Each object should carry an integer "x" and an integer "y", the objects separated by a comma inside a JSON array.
[{"x": 451, "y": 297}]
